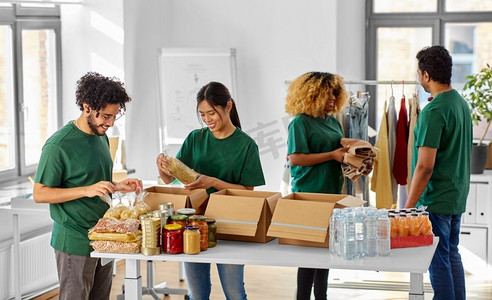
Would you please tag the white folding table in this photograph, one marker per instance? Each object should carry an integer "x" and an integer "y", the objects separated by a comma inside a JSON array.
[{"x": 415, "y": 261}]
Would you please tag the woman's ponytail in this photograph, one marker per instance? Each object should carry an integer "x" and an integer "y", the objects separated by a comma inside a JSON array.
[{"x": 234, "y": 115}]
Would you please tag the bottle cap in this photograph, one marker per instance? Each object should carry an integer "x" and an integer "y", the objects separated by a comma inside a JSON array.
[{"x": 173, "y": 227}]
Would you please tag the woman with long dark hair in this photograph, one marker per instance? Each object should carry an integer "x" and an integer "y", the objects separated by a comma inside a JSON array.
[{"x": 225, "y": 158}]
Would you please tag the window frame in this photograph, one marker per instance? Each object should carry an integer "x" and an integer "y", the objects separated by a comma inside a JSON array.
[
  {"x": 437, "y": 20},
  {"x": 21, "y": 18}
]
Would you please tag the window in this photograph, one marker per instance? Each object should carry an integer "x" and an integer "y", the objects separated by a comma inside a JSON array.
[
  {"x": 30, "y": 72},
  {"x": 399, "y": 29}
]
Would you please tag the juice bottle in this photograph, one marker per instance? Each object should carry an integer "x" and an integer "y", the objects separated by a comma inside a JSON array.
[
  {"x": 403, "y": 227},
  {"x": 413, "y": 224},
  {"x": 426, "y": 228},
  {"x": 394, "y": 226}
]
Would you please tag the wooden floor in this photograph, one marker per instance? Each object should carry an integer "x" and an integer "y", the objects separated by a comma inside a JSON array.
[{"x": 271, "y": 283}]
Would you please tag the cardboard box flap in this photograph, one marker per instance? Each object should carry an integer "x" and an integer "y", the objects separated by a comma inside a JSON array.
[
  {"x": 198, "y": 199},
  {"x": 180, "y": 197},
  {"x": 349, "y": 201},
  {"x": 154, "y": 199},
  {"x": 270, "y": 197},
  {"x": 224, "y": 208},
  {"x": 303, "y": 220},
  {"x": 340, "y": 199}
]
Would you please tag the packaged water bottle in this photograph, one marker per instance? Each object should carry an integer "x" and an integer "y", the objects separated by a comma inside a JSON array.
[
  {"x": 384, "y": 233},
  {"x": 334, "y": 240},
  {"x": 372, "y": 233},
  {"x": 339, "y": 229},
  {"x": 360, "y": 232},
  {"x": 350, "y": 247}
]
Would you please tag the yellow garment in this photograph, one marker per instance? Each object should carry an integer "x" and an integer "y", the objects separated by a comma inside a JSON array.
[
  {"x": 381, "y": 176},
  {"x": 413, "y": 115}
]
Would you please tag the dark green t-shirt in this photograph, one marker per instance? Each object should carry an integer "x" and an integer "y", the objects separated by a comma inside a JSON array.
[
  {"x": 445, "y": 124},
  {"x": 234, "y": 159},
  {"x": 71, "y": 158},
  {"x": 315, "y": 135}
]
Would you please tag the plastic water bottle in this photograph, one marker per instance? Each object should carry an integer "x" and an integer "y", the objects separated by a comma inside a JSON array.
[
  {"x": 384, "y": 233},
  {"x": 334, "y": 239},
  {"x": 340, "y": 232},
  {"x": 350, "y": 247},
  {"x": 360, "y": 232},
  {"x": 372, "y": 233}
]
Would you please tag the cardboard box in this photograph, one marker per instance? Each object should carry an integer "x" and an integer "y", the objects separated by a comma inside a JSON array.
[
  {"x": 242, "y": 215},
  {"x": 303, "y": 219},
  {"x": 119, "y": 175},
  {"x": 180, "y": 197}
]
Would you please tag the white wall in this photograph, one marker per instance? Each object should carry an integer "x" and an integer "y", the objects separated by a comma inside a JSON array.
[
  {"x": 92, "y": 40},
  {"x": 275, "y": 40}
]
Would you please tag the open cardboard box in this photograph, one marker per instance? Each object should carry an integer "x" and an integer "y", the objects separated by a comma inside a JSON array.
[
  {"x": 303, "y": 219},
  {"x": 180, "y": 197},
  {"x": 242, "y": 215}
]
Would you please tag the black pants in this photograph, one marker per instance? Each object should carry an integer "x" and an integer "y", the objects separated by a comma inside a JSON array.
[{"x": 305, "y": 280}]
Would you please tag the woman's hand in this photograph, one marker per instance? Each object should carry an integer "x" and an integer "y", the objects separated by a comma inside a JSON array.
[
  {"x": 163, "y": 164},
  {"x": 129, "y": 185},
  {"x": 202, "y": 182},
  {"x": 339, "y": 153}
]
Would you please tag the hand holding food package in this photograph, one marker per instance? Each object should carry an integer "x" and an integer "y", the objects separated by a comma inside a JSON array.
[{"x": 179, "y": 170}]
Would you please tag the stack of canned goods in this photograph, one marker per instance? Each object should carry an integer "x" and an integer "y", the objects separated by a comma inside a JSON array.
[{"x": 166, "y": 232}]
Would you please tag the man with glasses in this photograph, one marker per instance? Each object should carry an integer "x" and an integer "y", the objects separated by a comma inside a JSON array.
[
  {"x": 74, "y": 172},
  {"x": 441, "y": 168}
]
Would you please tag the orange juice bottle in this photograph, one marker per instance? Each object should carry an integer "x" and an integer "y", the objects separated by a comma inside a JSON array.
[
  {"x": 413, "y": 224},
  {"x": 394, "y": 226},
  {"x": 403, "y": 227},
  {"x": 426, "y": 228}
]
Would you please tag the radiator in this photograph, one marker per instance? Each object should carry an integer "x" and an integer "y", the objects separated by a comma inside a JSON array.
[{"x": 38, "y": 267}]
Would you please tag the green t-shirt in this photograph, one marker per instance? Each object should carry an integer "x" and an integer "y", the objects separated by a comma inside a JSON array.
[
  {"x": 71, "y": 158},
  {"x": 315, "y": 135},
  {"x": 445, "y": 124},
  {"x": 234, "y": 159}
]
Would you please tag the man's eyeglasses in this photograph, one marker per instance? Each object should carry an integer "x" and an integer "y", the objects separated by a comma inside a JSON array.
[{"x": 108, "y": 118}]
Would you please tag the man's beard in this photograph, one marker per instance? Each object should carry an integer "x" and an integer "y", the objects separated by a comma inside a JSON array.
[{"x": 93, "y": 127}]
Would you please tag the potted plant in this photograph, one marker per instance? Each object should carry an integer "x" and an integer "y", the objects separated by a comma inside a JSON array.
[{"x": 478, "y": 92}]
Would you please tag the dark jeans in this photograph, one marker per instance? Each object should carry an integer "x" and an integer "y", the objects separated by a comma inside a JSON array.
[
  {"x": 305, "y": 280},
  {"x": 83, "y": 277},
  {"x": 446, "y": 269}
]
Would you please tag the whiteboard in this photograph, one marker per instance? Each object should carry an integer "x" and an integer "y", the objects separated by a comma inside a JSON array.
[{"x": 182, "y": 72}]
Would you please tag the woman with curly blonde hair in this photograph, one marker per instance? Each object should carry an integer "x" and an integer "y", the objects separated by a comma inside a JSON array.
[{"x": 315, "y": 152}]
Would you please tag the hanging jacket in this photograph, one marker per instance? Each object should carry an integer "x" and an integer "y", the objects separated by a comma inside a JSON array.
[
  {"x": 414, "y": 111},
  {"x": 381, "y": 174},
  {"x": 400, "y": 167},
  {"x": 391, "y": 115}
]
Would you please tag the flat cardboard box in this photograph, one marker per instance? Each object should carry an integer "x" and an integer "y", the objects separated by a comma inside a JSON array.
[
  {"x": 242, "y": 215},
  {"x": 303, "y": 219},
  {"x": 180, "y": 197}
]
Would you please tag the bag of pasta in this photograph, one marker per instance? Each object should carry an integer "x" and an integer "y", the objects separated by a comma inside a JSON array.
[
  {"x": 140, "y": 206},
  {"x": 115, "y": 211},
  {"x": 179, "y": 170}
]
